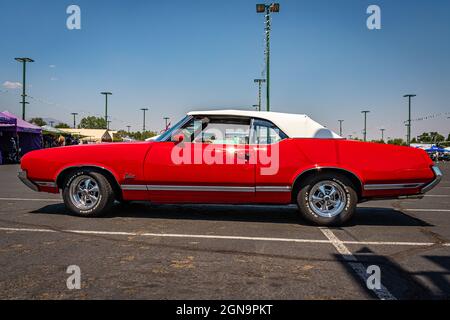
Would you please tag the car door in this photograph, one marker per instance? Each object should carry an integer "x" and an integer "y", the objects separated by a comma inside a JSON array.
[
  {"x": 210, "y": 165},
  {"x": 276, "y": 162}
]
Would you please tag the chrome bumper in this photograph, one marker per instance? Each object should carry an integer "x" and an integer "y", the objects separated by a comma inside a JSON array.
[
  {"x": 23, "y": 177},
  {"x": 435, "y": 182}
]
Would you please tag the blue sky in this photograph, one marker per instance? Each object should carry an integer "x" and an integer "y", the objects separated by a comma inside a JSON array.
[{"x": 176, "y": 56}]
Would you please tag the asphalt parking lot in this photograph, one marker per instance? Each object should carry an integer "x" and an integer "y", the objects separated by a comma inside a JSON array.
[{"x": 150, "y": 251}]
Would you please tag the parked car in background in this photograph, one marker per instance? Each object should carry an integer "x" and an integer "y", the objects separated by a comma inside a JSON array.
[{"x": 234, "y": 157}]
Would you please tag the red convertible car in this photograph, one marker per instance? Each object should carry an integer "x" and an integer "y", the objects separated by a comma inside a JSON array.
[{"x": 234, "y": 157}]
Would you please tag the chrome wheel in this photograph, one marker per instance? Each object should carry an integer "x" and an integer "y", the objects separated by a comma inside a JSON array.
[
  {"x": 84, "y": 192},
  {"x": 327, "y": 198}
]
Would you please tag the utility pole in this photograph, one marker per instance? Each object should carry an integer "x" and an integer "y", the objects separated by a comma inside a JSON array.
[
  {"x": 340, "y": 127},
  {"x": 128, "y": 129},
  {"x": 259, "y": 82},
  {"x": 74, "y": 115},
  {"x": 24, "y": 72},
  {"x": 382, "y": 134},
  {"x": 143, "y": 126},
  {"x": 166, "y": 119},
  {"x": 408, "y": 136},
  {"x": 106, "y": 107},
  {"x": 365, "y": 123},
  {"x": 268, "y": 9}
]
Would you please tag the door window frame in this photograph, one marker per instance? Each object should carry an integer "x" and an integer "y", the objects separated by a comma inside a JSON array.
[{"x": 281, "y": 133}]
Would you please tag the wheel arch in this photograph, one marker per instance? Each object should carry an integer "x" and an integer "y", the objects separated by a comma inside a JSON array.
[
  {"x": 62, "y": 175},
  {"x": 357, "y": 182}
]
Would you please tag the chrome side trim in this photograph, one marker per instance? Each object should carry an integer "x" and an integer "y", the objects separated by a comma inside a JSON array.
[
  {"x": 133, "y": 187},
  {"x": 273, "y": 189},
  {"x": 130, "y": 187},
  {"x": 199, "y": 188},
  {"x": 46, "y": 184},
  {"x": 392, "y": 186},
  {"x": 435, "y": 182}
]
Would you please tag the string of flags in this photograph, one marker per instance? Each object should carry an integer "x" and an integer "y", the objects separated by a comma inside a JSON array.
[{"x": 432, "y": 116}]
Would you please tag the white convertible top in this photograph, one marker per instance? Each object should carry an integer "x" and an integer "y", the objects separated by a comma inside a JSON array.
[{"x": 294, "y": 125}]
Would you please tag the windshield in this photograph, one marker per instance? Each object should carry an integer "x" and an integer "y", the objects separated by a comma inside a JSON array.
[{"x": 166, "y": 135}]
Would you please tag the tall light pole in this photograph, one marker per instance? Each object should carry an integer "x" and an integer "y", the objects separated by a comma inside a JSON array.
[
  {"x": 259, "y": 82},
  {"x": 74, "y": 115},
  {"x": 24, "y": 72},
  {"x": 267, "y": 9},
  {"x": 408, "y": 136},
  {"x": 128, "y": 127},
  {"x": 143, "y": 126},
  {"x": 107, "y": 126},
  {"x": 365, "y": 123},
  {"x": 106, "y": 107},
  {"x": 382, "y": 134},
  {"x": 340, "y": 127},
  {"x": 166, "y": 119}
]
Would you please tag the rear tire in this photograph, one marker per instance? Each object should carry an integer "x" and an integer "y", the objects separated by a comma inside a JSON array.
[
  {"x": 88, "y": 193},
  {"x": 327, "y": 199}
]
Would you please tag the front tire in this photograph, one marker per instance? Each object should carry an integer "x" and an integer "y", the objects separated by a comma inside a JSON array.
[
  {"x": 327, "y": 199},
  {"x": 88, "y": 193}
]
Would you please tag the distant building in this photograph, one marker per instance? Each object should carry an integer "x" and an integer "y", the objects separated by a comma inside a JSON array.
[{"x": 92, "y": 135}]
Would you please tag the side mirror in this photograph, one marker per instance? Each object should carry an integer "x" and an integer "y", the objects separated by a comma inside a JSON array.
[{"x": 177, "y": 138}]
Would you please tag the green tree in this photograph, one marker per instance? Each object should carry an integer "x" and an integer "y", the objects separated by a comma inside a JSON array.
[
  {"x": 448, "y": 137},
  {"x": 436, "y": 137},
  {"x": 62, "y": 125},
  {"x": 397, "y": 141},
  {"x": 424, "y": 137},
  {"x": 92, "y": 123},
  {"x": 38, "y": 121},
  {"x": 430, "y": 137}
]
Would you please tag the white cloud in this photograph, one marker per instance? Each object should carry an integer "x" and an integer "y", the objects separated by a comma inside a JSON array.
[
  {"x": 12, "y": 85},
  {"x": 52, "y": 66},
  {"x": 53, "y": 78}
]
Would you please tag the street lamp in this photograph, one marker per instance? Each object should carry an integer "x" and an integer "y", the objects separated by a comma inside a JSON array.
[
  {"x": 382, "y": 134},
  {"x": 143, "y": 126},
  {"x": 340, "y": 127},
  {"x": 106, "y": 107},
  {"x": 24, "y": 71},
  {"x": 408, "y": 136},
  {"x": 267, "y": 9},
  {"x": 365, "y": 123},
  {"x": 259, "y": 82},
  {"x": 166, "y": 119},
  {"x": 74, "y": 115}
]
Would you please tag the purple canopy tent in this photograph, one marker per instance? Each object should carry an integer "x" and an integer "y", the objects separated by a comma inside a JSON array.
[{"x": 29, "y": 135}]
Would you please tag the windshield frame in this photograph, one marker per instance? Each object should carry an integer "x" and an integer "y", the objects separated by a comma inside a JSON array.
[{"x": 164, "y": 137}]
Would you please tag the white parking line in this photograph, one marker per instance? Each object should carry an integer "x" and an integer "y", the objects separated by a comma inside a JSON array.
[
  {"x": 382, "y": 293},
  {"x": 428, "y": 210},
  {"x": 219, "y": 237},
  {"x": 437, "y": 195},
  {"x": 28, "y": 199}
]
